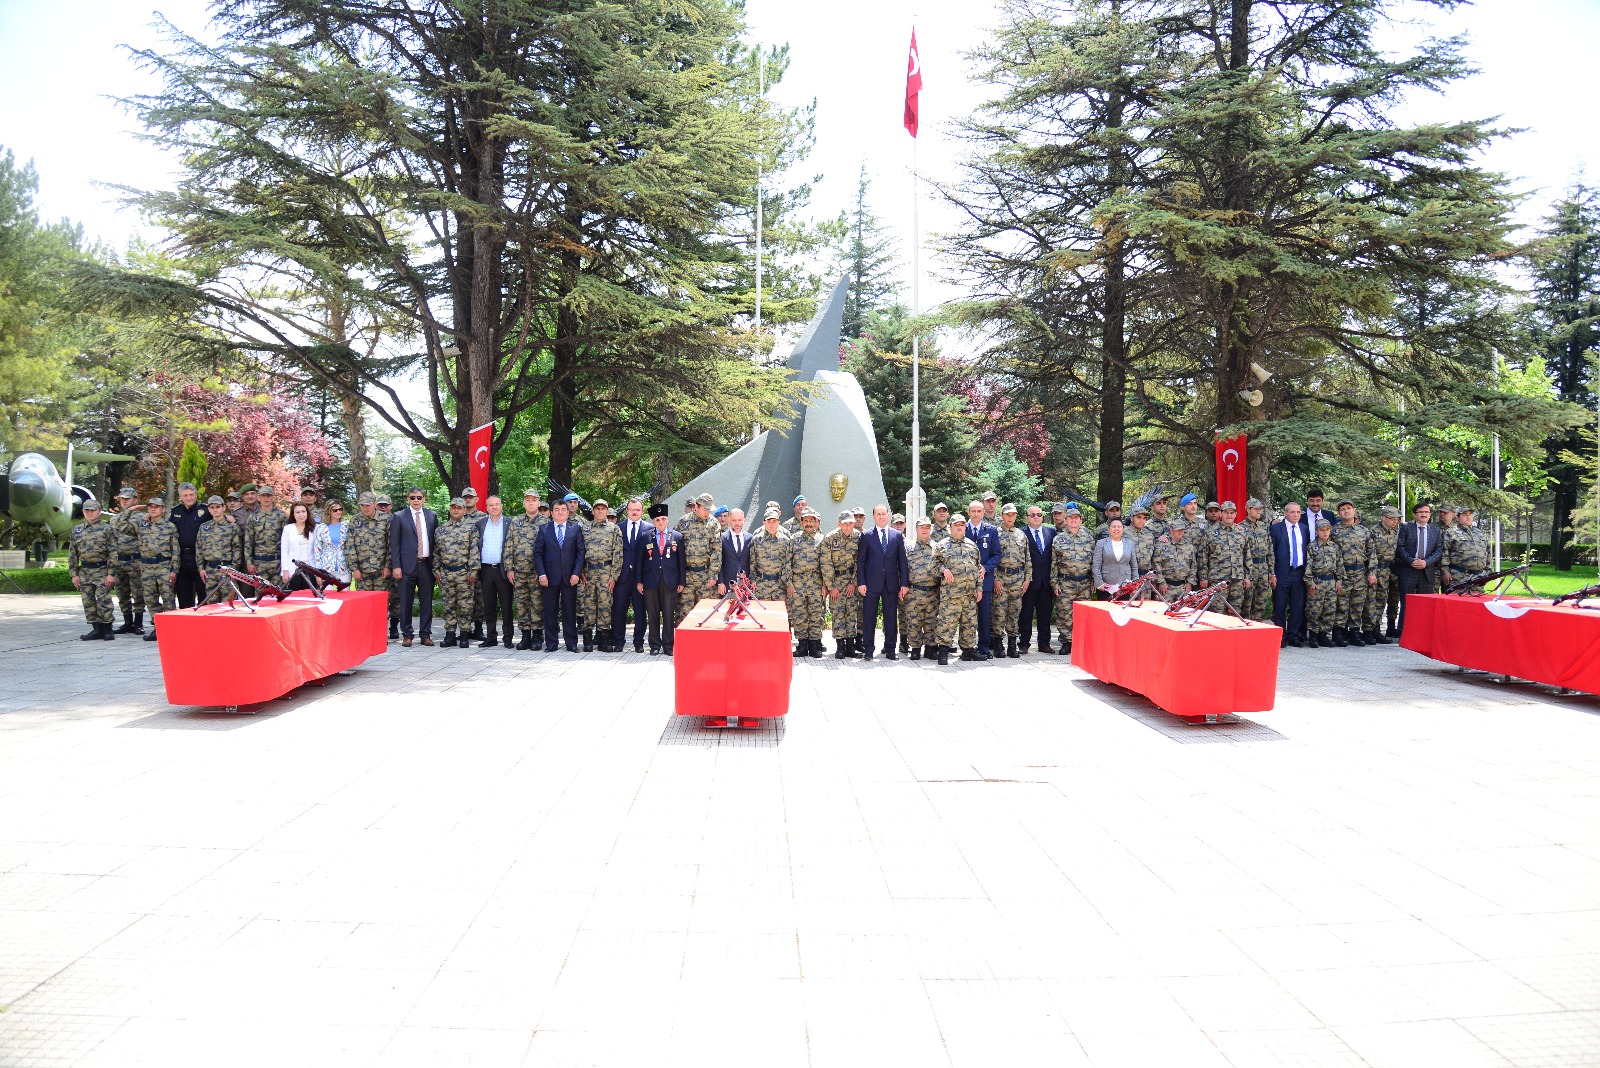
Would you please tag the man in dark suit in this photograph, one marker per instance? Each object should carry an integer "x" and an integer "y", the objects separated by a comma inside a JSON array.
[
  {"x": 1038, "y": 602},
  {"x": 558, "y": 558},
  {"x": 636, "y": 530},
  {"x": 883, "y": 577},
  {"x": 661, "y": 579},
  {"x": 412, "y": 536},
  {"x": 1288, "y": 579},
  {"x": 987, "y": 538},
  {"x": 735, "y": 552},
  {"x": 1416, "y": 557},
  {"x": 494, "y": 530},
  {"x": 1315, "y": 511}
]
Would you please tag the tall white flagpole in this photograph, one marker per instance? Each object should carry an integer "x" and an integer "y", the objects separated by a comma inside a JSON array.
[
  {"x": 916, "y": 498},
  {"x": 761, "y": 66}
]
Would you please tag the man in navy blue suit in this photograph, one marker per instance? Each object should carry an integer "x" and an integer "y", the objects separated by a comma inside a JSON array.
[
  {"x": 883, "y": 578},
  {"x": 1038, "y": 602},
  {"x": 661, "y": 578},
  {"x": 635, "y": 531},
  {"x": 987, "y": 539},
  {"x": 558, "y": 558},
  {"x": 735, "y": 552},
  {"x": 1290, "y": 539},
  {"x": 413, "y": 531},
  {"x": 1417, "y": 552}
]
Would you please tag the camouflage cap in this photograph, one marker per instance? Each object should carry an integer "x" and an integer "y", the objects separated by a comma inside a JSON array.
[
  {"x": 233, "y": 495},
  {"x": 772, "y": 504},
  {"x": 847, "y": 516},
  {"x": 1211, "y": 506},
  {"x": 1139, "y": 510},
  {"x": 248, "y": 487},
  {"x": 771, "y": 513},
  {"x": 1057, "y": 508},
  {"x": 1180, "y": 525},
  {"x": 1009, "y": 508},
  {"x": 989, "y": 495},
  {"x": 600, "y": 503},
  {"x": 897, "y": 518},
  {"x": 127, "y": 491},
  {"x": 367, "y": 498},
  {"x": 457, "y": 502},
  {"x": 1229, "y": 506},
  {"x": 923, "y": 521},
  {"x": 1468, "y": 507},
  {"x": 811, "y": 513},
  {"x": 1324, "y": 523},
  {"x": 960, "y": 518},
  {"x": 1114, "y": 504},
  {"x": 705, "y": 499},
  {"x": 267, "y": 491},
  {"x": 384, "y": 498},
  {"x": 1445, "y": 506},
  {"x": 1389, "y": 511},
  {"x": 91, "y": 505},
  {"x": 468, "y": 492},
  {"x": 214, "y": 499},
  {"x": 858, "y": 510},
  {"x": 1254, "y": 503},
  {"x": 530, "y": 492},
  {"x": 941, "y": 505},
  {"x": 1344, "y": 501},
  {"x": 155, "y": 502}
]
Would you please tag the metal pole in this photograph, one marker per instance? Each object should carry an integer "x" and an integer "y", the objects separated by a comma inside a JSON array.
[
  {"x": 761, "y": 67},
  {"x": 916, "y": 498},
  {"x": 1495, "y": 474},
  {"x": 1404, "y": 511}
]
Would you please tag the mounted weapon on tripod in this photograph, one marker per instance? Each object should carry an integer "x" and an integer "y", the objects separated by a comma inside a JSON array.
[
  {"x": 1577, "y": 597},
  {"x": 237, "y": 579},
  {"x": 1501, "y": 580},
  {"x": 1191, "y": 606}
]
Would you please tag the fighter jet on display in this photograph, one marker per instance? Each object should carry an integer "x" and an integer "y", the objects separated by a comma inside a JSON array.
[{"x": 34, "y": 491}]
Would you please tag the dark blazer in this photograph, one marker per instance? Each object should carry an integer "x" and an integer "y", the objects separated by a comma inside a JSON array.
[
  {"x": 734, "y": 563},
  {"x": 661, "y": 569},
  {"x": 1039, "y": 561},
  {"x": 631, "y": 550},
  {"x": 1307, "y": 516},
  {"x": 482, "y": 523},
  {"x": 988, "y": 542},
  {"x": 1279, "y": 533},
  {"x": 881, "y": 567},
  {"x": 1405, "y": 551},
  {"x": 403, "y": 538},
  {"x": 558, "y": 561}
]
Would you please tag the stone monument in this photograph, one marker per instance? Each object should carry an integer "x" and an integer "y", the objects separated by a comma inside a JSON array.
[{"x": 828, "y": 453}]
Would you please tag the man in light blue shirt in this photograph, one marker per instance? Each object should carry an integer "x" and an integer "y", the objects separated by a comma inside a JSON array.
[{"x": 497, "y": 597}]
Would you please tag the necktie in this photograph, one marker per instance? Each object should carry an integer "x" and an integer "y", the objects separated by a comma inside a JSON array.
[
  {"x": 561, "y": 529},
  {"x": 1038, "y": 539},
  {"x": 883, "y": 538},
  {"x": 661, "y": 544},
  {"x": 738, "y": 543},
  {"x": 1422, "y": 542}
]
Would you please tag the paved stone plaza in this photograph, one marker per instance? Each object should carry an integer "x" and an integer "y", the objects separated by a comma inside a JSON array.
[{"x": 491, "y": 858}]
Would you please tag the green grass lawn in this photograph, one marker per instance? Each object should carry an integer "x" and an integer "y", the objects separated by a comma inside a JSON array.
[{"x": 1548, "y": 582}]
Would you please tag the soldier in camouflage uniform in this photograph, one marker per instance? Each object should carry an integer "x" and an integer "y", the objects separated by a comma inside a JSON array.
[
  {"x": 1446, "y": 534},
  {"x": 1158, "y": 518},
  {"x": 1144, "y": 542},
  {"x": 520, "y": 542},
  {"x": 1358, "y": 574},
  {"x": 941, "y": 523},
  {"x": 1383, "y": 600},
  {"x": 1011, "y": 577},
  {"x": 263, "y": 536},
  {"x": 839, "y": 581},
  {"x": 1221, "y": 555},
  {"x": 385, "y": 515},
  {"x": 367, "y": 553},
  {"x": 702, "y": 556},
  {"x": 1257, "y": 562},
  {"x": 158, "y": 561},
  {"x": 457, "y": 558},
  {"x": 796, "y": 523},
  {"x": 1467, "y": 552},
  {"x": 469, "y": 497},
  {"x": 218, "y": 543},
  {"x": 919, "y": 612},
  {"x": 1103, "y": 530},
  {"x": 808, "y": 601},
  {"x": 602, "y": 566},
  {"x": 1071, "y": 563},
  {"x": 771, "y": 560},
  {"x": 1324, "y": 582},
  {"x": 92, "y": 559},
  {"x": 130, "y": 592},
  {"x": 961, "y": 585},
  {"x": 1174, "y": 560}
]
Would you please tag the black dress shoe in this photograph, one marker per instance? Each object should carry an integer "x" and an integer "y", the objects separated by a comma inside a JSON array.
[
  {"x": 655, "y": 651},
  {"x": 550, "y": 648},
  {"x": 890, "y": 654},
  {"x": 638, "y": 648},
  {"x": 1044, "y": 647},
  {"x": 867, "y": 655},
  {"x": 489, "y": 643}
]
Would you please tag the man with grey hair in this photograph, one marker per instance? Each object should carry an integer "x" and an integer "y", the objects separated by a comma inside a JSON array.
[{"x": 187, "y": 515}]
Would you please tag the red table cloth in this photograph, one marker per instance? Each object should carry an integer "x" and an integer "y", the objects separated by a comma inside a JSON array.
[
  {"x": 733, "y": 671},
  {"x": 1517, "y": 636},
  {"x": 225, "y": 657},
  {"x": 1218, "y": 666}
]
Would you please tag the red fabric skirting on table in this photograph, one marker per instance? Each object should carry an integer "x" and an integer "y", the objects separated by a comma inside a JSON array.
[
  {"x": 737, "y": 671},
  {"x": 1521, "y": 637}
]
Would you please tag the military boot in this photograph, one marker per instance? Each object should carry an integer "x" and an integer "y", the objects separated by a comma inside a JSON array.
[
  {"x": 801, "y": 648},
  {"x": 1313, "y": 639},
  {"x": 527, "y": 640},
  {"x": 477, "y": 631},
  {"x": 92, "y": 635},
  {"x": 816, "y": 649},
  {"x": 1374, "y": 638},
  {"x": 916, "y": 653},
  {"x": 588, "y": 641},
  {"x": 152, "y": 635},
  {"x": 394, "y": 630},
  {"x": 841, "y": 648},
  {"x": 138, "y": 622},
  {"x": 1011, "y": 647},
  {"x": 855, "y": 649},
  {"x": 1353, "y": 636},
  {"x": 1339, "y": 640},
  {"x": 968, "y": 654},
  {"x": 127, "y": 624},
  {"x": 449, "y": 640},
  {"x": 944, "y": 655},
  {"x": 106, "y": 634},
  {"x": 1391, "y": 631}
]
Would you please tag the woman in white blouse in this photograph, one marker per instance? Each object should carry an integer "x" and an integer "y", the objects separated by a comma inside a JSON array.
[
  {"x": 295, "y": 544},
  {"x": 1115, "y": 559},
  {"x": 327, "y": 544}
]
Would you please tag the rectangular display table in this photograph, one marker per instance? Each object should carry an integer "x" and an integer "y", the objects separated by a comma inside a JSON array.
[
  {"x": 1517, "y": 636},
  {"x": 217, "y": 656},
  {"x": 739, "y": 671},
  {"x": 1219, "y": 666}
]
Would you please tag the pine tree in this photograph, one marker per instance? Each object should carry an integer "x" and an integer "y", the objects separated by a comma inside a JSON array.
[
  {"x": 192, "y": 468},
  {"x": 869, "y": 263}
]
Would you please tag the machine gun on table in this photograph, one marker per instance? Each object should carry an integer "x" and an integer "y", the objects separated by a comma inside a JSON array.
[
  {"x": 1501, "y": 580},
  {"x": 1191, "y": 606},
  {"x": 1136, "y": 591},
  {"x": 237, "y": 578},
  {"x": 740, "y": 596},
  {"x": 1577, "y": 597},
  {"x": 317, "y": 578}
]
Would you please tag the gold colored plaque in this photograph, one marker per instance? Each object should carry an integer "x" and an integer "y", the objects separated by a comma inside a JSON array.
[{"x": 838, "y": 484}]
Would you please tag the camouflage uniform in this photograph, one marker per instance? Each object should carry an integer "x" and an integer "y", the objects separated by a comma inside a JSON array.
[
  {"x": 458, "y": 556},
  {"x": 1144, "y": 548},
  {"x": 518, "y": 558},
  {"x": 130, "y": 591},
  {"x": 91, "y": 556},
  {"x": 1356, "y": 562},
  {"x": 368, "y": 553},
  {"x": 702, "y": 557},
  {"x": 919, "y": 612},
  {"x": 808, "y": 607},
  {"x": 1324, "y": 568},
  {"x": 939, "y": 532},
  {"x": 1383, "y": 599},
  {"x": 771, "y": 564},
  {"x": 1466, "y": 554},
  {"x": 1158, "y": 527},
  {"x": 1071, "y": 563},
  {"x": 1010, "y": 574},
  {"x": 958, "y": 596},
  {"x": 158, "y": 558},
  {"x": 839, "y": 573},
  {"x": 1222, "y": 559},
  {"x": 1258, "y": 569},
  {"x": 219, "y": 542},
  {"x": 602, "y": 565},
  {"x": 263, "y": 541},
  {"x": 1175, "y": 561}
]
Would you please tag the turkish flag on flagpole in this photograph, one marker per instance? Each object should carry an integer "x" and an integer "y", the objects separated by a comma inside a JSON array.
[
  {"x": 1231, "y": 478},
  {"x": 480, "y": 447},
  {"x": 913, "y": 84}
]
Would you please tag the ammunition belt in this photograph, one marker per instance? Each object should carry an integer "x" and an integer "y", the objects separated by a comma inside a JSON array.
[
  {"x": 454, "y": 567},
  {"x": 1012, "y": 570},
  {"x": 1079, "y": 577},
  {"x": 768, "y": 577},
  {"x": 152, "y": 559},
  {"x": 924, "y": 589}
]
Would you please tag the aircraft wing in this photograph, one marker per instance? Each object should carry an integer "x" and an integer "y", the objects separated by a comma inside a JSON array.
[{"x": 59, "y": 456}]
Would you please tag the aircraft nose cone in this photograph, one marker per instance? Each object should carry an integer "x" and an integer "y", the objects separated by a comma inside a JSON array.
[{"x": 27, "y": 489}]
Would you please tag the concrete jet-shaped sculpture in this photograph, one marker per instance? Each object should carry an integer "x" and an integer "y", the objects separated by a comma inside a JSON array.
[{"x": 828, "y": 453}]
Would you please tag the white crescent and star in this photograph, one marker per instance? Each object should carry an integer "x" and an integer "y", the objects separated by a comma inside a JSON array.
[
  {"x": 1227, "y": 453},
  {"x": 916, "y": 64},
  {"x": 477, "y": 457}
]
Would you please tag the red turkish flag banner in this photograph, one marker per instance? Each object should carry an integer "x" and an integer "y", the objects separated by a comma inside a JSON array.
[
  {"x": 1231, "y": 478},
  {"x": 481, "y": 448},
  {"x": 913, "y": 84}
]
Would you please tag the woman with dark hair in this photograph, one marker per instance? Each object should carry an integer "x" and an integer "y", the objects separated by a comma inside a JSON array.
[{"x": 295, "y": 544}]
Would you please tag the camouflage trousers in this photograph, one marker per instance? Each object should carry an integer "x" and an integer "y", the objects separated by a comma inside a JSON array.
[
  {"x": 1352, "y": 607},
  {"x": 1322, "y": 607},
  {"x": 1235, "y": 592},
  {"x": 807, "y": 611},
  {"x": 530, "y": 604},
  {"x": 217, "y": 588},
  {"x": 1006, "y": 609},
  {"x": 770, "y": 591},
  {"x": 1072, "y": 590},
  {"x": 97, "y": 596},
  {"x": 157, "y": 591},
  {"x": 594, "y": 605},
  {"x": 1258, "y": 598},
  {"x": 957, "y": 625},
  {"x": 846, "y": 615},
  {"x": 129, "y": 591},
  {"x": 1383, "y": 601},
  {"x": 694, "y": 588},
  {"x": 919, "y": 616},
  {"x": 455, "y": 601}
]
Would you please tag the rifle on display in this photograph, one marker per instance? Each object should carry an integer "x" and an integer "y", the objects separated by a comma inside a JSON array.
[
  {"x": 237, "y": 578},
  {"x": 1137, "y": 590},
  {"x": 321, "y": 578},
  {"x": 1577, "y": 597},
  {"x": 1500, "y": 580},
  {"x": 738, "y": 599},
  {"x": 1193, "y": 605}
]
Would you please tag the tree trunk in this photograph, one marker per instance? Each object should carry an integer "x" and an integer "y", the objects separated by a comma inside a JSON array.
[
  {"x": 355, "y": 428},
  {"x": 1113, "y": 338}
]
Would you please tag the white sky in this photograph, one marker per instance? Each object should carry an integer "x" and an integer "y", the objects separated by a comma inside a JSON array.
[{"x": 60, "y": 65}]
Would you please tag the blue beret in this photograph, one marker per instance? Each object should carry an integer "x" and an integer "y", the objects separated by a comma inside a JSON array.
[
  {"x": 1072, "y": 506},
  {"x": 1187, "y": 497},
  {"x": 721, "y": 509},
  {"x": 569, "y": 497},
  {"x": 800, "y": 498}
]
